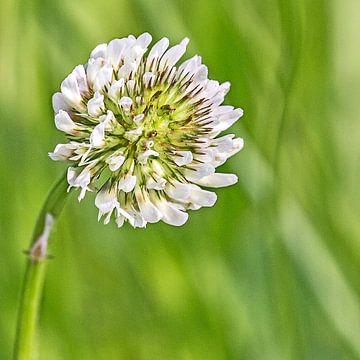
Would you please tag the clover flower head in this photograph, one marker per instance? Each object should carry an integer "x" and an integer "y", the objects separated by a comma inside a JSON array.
[{"x": 143, "y": 132}]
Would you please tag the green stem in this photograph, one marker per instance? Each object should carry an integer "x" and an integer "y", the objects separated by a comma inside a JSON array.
[{"x": 25, "y": 342}]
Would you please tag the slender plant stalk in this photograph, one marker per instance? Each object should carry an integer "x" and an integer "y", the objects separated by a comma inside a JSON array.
[{"x": 25, "y": 342}]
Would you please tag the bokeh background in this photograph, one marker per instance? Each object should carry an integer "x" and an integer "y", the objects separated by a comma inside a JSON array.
[{"x": 271, "y": 272}]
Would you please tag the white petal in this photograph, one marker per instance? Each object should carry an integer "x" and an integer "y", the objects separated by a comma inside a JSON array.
[
  {"x": 103, "y": 77},
  {"x": 131, "y": 39},
  {"x": 148, "y": 210},
  {"x": 125, "y": 102},
  {"x": 172, "y": 56},
  {"x": 171, "y": 214},
  {"x": 130, "y": 85},
  {"x": 228, "y": 119},
  {"x": 202, "y": 197},
  {"x": 71, "y": 92},
  {"x": 115, "y": 161},
  {"x": 74, "y": 86},
  {"x": 144, "y": 40},
  {"x": 218, "y": 180},
  {"x": 178, "y": 190},
  {"x": 99, "y": 51},
  {"x": 189, "y": 67},
  {"x": 106, "y": 200},
  {"x": 127, "y": 183},
  {"x": 206, "y": 156},
  {"x": 143, "y": 156},
  {"x": 62, "y": 152},
  {"x": 183, "y": 157},
  {"x": 109, "y": 120},
  {"x": 155, "y": 182},
  {"x": 135, "y": 219},
  {"x": 84, "y": 178},
  {"x": 223, "y": 109},
  {"x": 134, "y": 55},
  {"x": 148, "y": 78},
  {"x": 225, "y": 87},
  {"x": 224, "y": 143},
  {"x": 115, "y": 51},
  {"x": 64, "y": 122},
  {"x": 97, "y": 137},
  {"x": 83, "y": 152},
  {"x": 93, "y": 68},
  {"x": 82, "y": 193},
  {"x": 139, "y": 221},
  {"x": 80, "y": 75},
  {"x": 59, "y": 103},
  {"x": 126, "y": 70},
  {"x": 156, "y": 52},
  {"x": 78, "y": 177},
  {"x": 238, "y": 144},
  {"x": 211, "y": 87},
  {"x": 120, "y": 221},
  {"x": 158, "y": 168},
  {"x": 121, "y": 212},
  {"x": 72, "y": 174},
  {"x": 198, "y": 171},
  {"x": 201, "y": 74},
  {"x": 199, "y": 79},
  {"x": 95, "y": 105},
  {"x": 137, "y": 48},
  {"x": 219, "y": 159},
  {"x": 116, "y": 90}
]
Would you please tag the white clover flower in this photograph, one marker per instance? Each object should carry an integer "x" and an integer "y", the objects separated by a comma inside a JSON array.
[{"x": 148, "y": 128}]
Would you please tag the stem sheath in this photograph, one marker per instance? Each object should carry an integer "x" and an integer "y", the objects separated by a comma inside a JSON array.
[{"x": 25, "y": 341}]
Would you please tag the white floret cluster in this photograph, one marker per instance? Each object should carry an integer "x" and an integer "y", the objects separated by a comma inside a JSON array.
[{"x": 143, "y": 132}]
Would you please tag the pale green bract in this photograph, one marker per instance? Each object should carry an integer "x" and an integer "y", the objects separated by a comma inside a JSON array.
[{"x": 149, "y": 127}]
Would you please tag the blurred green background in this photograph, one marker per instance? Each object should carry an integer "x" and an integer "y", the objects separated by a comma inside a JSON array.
[{"x": 272, "y": 271}]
